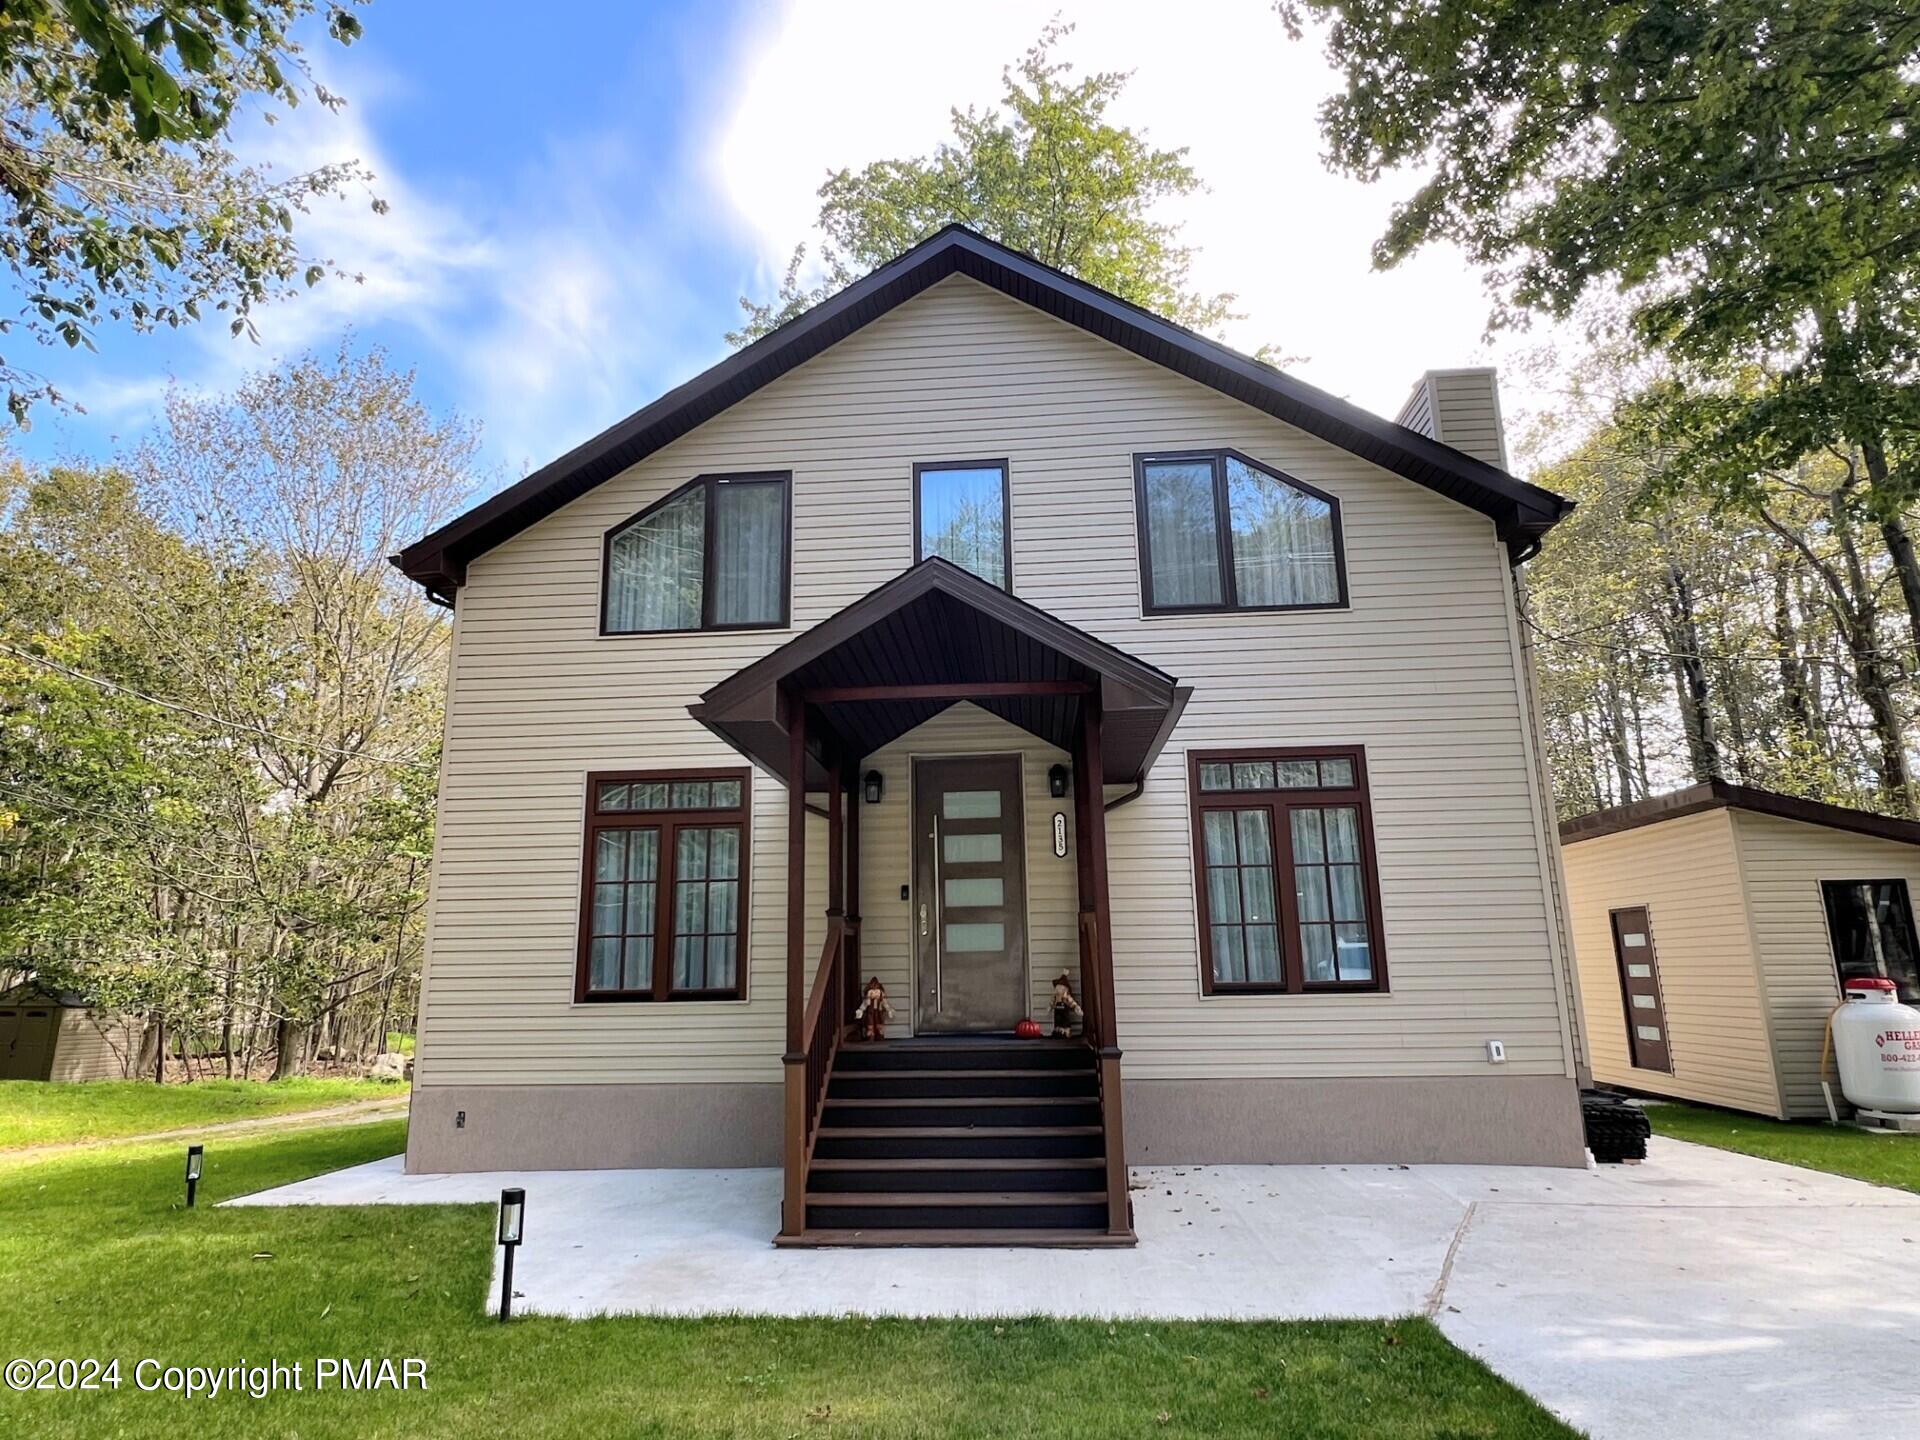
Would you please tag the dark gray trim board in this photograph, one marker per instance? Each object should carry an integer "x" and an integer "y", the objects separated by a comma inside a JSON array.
[
  {"x": 1722, "y": 795},
  {"x": 1521, "y": 513}
]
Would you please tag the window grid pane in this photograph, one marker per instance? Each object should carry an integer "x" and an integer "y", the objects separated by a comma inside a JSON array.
[
  {"x": 1329, "y": 890},
  {"x": 621, "y": 917},
  {"x": 749, "y": 552},
  {"x": 706, "y": 909},
  {"x": 655, "y": 566},
  {"x": 1240, "y": 897}
]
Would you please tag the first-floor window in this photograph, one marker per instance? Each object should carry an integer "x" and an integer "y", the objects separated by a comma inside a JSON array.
[
  {"x": 1289, "y": 897},
  {"x": 664, "y": 886},
  {"x": 1871, "y": 926}
]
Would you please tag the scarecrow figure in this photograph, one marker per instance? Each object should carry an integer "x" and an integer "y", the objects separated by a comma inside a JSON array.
[
  {"x": 1066, "y": 1009},
  {"x": 874, "y": 1011}
]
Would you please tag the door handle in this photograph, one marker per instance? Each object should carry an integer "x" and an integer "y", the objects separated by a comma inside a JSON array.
[
  {"x": 923, "y": 920},
  {"x": 936, "y": 908}
]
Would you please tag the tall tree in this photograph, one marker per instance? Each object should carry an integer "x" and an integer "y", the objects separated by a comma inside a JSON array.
[
  {"x": 1052, "y": 176},
  {"x": 121, "y": 197},
  {"x": 1745, "y": 171}
]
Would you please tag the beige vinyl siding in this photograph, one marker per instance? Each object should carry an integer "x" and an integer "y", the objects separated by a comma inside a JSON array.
[
  {"x": 1785, "y": 861},
  {"x": 1466, "y": 413},
  {"x": 1687, "y": 875},
  {"x": 1417, "y": 413},
  {"x": 93, "y": 1047},
  {"x": 1420, "y": 670}
]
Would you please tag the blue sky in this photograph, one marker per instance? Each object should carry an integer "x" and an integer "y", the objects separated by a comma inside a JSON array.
[{"x": 578, "y": 195}]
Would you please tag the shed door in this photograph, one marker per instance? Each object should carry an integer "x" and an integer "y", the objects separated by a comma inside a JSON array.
[
  {"x": 26, "y": 1044},
  {"x": 1640, "y": 990}
]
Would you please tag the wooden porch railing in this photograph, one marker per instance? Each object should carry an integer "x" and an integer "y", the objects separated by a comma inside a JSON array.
[
  {"x": 1098, "y": 1027},
  {"x": 807, "y": 1074}
]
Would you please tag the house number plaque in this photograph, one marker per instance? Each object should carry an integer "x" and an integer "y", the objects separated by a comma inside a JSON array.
[{"x": 1060, "y": 834}]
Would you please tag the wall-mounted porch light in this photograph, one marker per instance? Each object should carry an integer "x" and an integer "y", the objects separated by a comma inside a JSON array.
[
  {"x": 196, "y": 1155},
  {"x": 1057, "y": 781},
  {"x": 513, "y": 1206},
  {"x": 870, "y": 787}
]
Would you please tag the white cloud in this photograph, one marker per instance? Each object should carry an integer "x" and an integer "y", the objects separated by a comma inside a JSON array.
[{"x": 843, "y": 82}]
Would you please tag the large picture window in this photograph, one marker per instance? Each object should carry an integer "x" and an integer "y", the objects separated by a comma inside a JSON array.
[
  {"x": 1221, "y": 531},
  {"x": 710, "y": 556},
  {"x": 1288, "y": 893},
  {"x": 664, "y": 888},
  {"x": 1871, "y": 925},
  {"x": 960, "y": 514}
]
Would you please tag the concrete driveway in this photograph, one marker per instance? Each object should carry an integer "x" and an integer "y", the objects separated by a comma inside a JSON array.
[{"x": 1701, "y": 1292}]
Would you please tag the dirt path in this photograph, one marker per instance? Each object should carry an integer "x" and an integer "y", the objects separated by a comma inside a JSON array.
[{"x": 359, "y": 1112}]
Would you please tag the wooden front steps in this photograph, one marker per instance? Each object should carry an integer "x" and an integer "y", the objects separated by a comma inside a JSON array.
[{"x": 968, "y": 1140}]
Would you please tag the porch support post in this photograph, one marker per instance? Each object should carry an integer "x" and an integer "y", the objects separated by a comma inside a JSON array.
[
  {"x": 1119, "y": 1207},
  {"x": 851, "y": 778},
  {"x": 793, "y": 1208}
]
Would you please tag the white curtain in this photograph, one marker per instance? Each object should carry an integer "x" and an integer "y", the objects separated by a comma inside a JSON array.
[
  {"x": 1282, "y": 541},
  {"x": 749, "y": 548},
  {"x": 654, "y": 568},
  {"x": 1182, "y": 534}
]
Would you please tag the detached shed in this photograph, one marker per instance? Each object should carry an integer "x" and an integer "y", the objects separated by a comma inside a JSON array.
[
  {"x": 1712, "y": 929},
  {"x": 56, "y": 1035}
]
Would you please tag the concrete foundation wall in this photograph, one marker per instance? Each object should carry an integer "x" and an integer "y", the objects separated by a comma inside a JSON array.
[
  {"x": 1515, "y": 1120},
  {"x": 593, "y": 1127}
]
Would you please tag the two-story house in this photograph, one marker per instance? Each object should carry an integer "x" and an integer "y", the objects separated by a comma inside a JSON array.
[{"x": 972, "y": 630}]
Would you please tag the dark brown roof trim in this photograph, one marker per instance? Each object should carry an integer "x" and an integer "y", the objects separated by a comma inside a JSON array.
[
  {"x": 1521, "y": 513},
  {"x": 1720, "y": 795}
]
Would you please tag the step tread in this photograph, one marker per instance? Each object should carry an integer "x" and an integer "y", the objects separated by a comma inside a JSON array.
[
  {"x": 1039, "y": 1074},
  {"x": 934, "y": 1199},
  {"x": 1061, "y": 1239},
  {"x": 949, "y": 1132},
  {"x": 967, "y": 1162},
  {"x": 900, "y": 1102}
]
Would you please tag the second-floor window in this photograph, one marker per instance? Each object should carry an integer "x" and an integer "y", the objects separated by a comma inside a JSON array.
[
  {"x": 960, "y": 514},
  {"x": 1221, "y": 531},
  {"x": 710, "y": 556}
]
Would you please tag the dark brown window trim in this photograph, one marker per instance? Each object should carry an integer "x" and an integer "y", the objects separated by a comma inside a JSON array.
[
  {"x": 710, "y": 483},
  {"x": 1006, "y": 506},
  {"x": 667, "y": 822},
  {"x": 1277, "y": 803},
  {"x": 1223, "y": 534}
]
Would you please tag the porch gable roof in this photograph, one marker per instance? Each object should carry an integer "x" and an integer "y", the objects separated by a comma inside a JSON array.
[{"x": 937, "y": 635}]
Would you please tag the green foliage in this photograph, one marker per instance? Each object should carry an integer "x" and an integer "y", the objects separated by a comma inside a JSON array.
[
  {"x": 99, "y": 1258},
  {"x": 121, "y": 198},
  {"x": 1838, "y": 1149},
  {"x": 33, "y": 1112},
  {"x": 1052, "y": 176},
  {"x": 1744, "y": 172},
  {"x": 220, "y": 709}
]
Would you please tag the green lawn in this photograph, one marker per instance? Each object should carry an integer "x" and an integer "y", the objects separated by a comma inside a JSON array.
[
  {"x": 1883, "y": 1159},
  {"x": 33, "y": 1112},
  {"x": 98, "y": 1258}
]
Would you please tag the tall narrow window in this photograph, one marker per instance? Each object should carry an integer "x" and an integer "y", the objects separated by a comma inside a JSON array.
[
  {"x": 960, "y": 514},
  {"x": 1288, "y": 892},
  {"x": 664, "y": 887},
  {"x": 710, "y": 556},
  {"x": 1870, "y": 923},
  {"x": 1221, "y": 531}
]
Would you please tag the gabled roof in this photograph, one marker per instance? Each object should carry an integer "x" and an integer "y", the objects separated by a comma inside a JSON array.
[
  {"x": 1721, "y": 795},
  {"x": 938, "y": 625},
  {"x": 1521, "y": 513}
]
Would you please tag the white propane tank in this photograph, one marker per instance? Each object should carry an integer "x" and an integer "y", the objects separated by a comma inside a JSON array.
[{"x": 1876, "y": 1041}]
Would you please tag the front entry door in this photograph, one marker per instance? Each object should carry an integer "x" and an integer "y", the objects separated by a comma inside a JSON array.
[
  {"x": 1640, "y": 990},
  {"x": 970, "y": 901}
]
